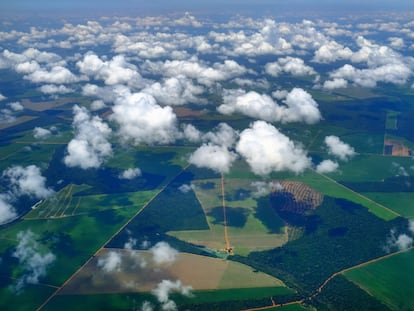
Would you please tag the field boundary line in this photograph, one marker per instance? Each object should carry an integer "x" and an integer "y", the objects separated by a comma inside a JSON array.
[
  {"x": 358, "y": 194},
  {"x": 107, "y": 241},
  {"x": 320, "y": 288}
]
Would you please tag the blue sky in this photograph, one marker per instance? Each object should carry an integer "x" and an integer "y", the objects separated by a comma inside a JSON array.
[{"x": 179, "y": 5}]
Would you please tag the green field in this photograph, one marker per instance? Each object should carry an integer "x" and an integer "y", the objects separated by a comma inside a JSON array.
[
  {"x": 328, "y": 186},
  {"x": 377, "y": 278},
  {"x": 391, "y": 122},
  {"x": 252, "y": 224},
  {"x": 400, "y": 202}
]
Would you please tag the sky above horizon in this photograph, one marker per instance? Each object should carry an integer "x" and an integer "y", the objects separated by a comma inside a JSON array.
[{"x": 204, "y": 6}]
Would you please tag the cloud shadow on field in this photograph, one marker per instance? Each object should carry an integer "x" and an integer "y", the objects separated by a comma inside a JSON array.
[{"x": 235, "y": 216}]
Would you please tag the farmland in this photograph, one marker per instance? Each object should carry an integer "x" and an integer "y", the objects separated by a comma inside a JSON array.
[{"x": 375, "y": 278}]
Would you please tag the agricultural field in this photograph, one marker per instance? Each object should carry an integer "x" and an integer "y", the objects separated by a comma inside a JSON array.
[
  {"x": 206, "y": 159},
  {"x": 374, "y": 278}
]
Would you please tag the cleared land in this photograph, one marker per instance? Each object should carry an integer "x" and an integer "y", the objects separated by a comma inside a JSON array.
[
  {"x": 376, "y": 278},
  {"x": 400, "y": 202},
  {"x": 246, "y": 228},
  {"x": 139, "y": 273}
]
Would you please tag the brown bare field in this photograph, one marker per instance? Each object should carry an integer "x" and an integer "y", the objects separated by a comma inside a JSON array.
[
  {"x": 42, "y": 106},
  {"x": 132, "y": 275},
  {"x": 186, "y": 112},
  {"x": 397, "y": 148}
]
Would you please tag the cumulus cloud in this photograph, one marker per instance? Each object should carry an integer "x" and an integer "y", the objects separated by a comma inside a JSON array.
[
  {"x": 41, "y": 133},
  {"x": 110, "y": 262},
  {"x": 332, "y": 51},
  {"x": 115, "y": 71},
  {"x": 142, "y": 120},
  {"x": 191, "y": 133},
  {"x": 27, "y": 181},
  {"x": 335, "y": 83},
  {"x": 90, "y": 147},
  {"x": 400, "y": 242},
  {"x": 396, "y": 73},
  {"x": 338, "y": 148},
  {"x": 2, "y": 97},
  {"x": 97, "y": 105},
  {"x": 217, "y": 158},
  {"x": 185, "y": 188},
  {"x": 263, "y": 188},
  {"x": 7, "y": 211},
  {"x": 299, "y": 106},
  {"x": 57, "y": 74},
  {"x": 16, "y": 106},
  {"x": 33, "y": 260},
  {"x": 163, "y": 253},
  {"x": 131, "y": 243},
  {"x": 291, "y": 65},
  {"x": 267, "y": 150},
  {"x": 54, "y": 89},
  {"x": 327, "y": 166},
  {"x": 222, "y": 135},
  {"x": 165, "y": 288},
  {"x": 130, "y": 173},
  {"x": 196, "y": 70},
  {"x": 175, "y": 91}
]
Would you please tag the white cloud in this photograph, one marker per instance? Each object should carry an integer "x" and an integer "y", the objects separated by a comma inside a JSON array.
[
  {"x": 336, "y": 83},
  {"x": 165, "y": 288},
  {"x": 130, "y": 244},
  {"x": 163, "y": 253},
  {"x": 110, "y": 262},
  {"x": 55, "y": 89},
  {"x": 175, "y": 91},
  {"x": 7, "y": 211},
  {"x": 338, "y": 148},
  {"x": 401, "y": 242},
  {"x": 263, "y": 188},
  {"x": 90, "y": 147},
  {"x": 327, "y": 166},
  {"x": 185, "y": 188},
  {"x": 332, "y": 51},
  {"x": 97, "y": 105},
  {"x": 222, "y": 135},
  {"x": 57, "y": 74},
  {"x": 299, "y": 106},
  {"x": 16, "y": 106},
  {"x": 27, "y": 181},
  {"x": 267, "y": 150},
  {"x": 130, "y": 173},
  {"x": 217, "y": 158},
  {"x": 34, "y": 261},
  {"x": 41, "y": 133},
  {"x": 141, "y": 120},
  {"x": 2, "y": 97},
  {"x": 115, "y": 71},
  {"x": 411, "y": 225},
  {"x": 6, "y": 116},
  {"x": 292, "y": 65},
  {"x": 194, "y": 69},
  {"x": 191, "y": 133}
]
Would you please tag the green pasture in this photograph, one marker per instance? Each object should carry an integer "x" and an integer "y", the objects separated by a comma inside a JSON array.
[
  {"x": 67, "y": 202},
  {"x": 29, "y": 299},
  {"x": 330, "y": 187},
  {"x": 75, "y": 238},
  {"x": 251, "y": 223},
  {"x": 389, "y": 280},
  {"x": 391, "y": 121},
  {"x": 371, "y": 168},
  {"x": 400, "y": 202}
]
